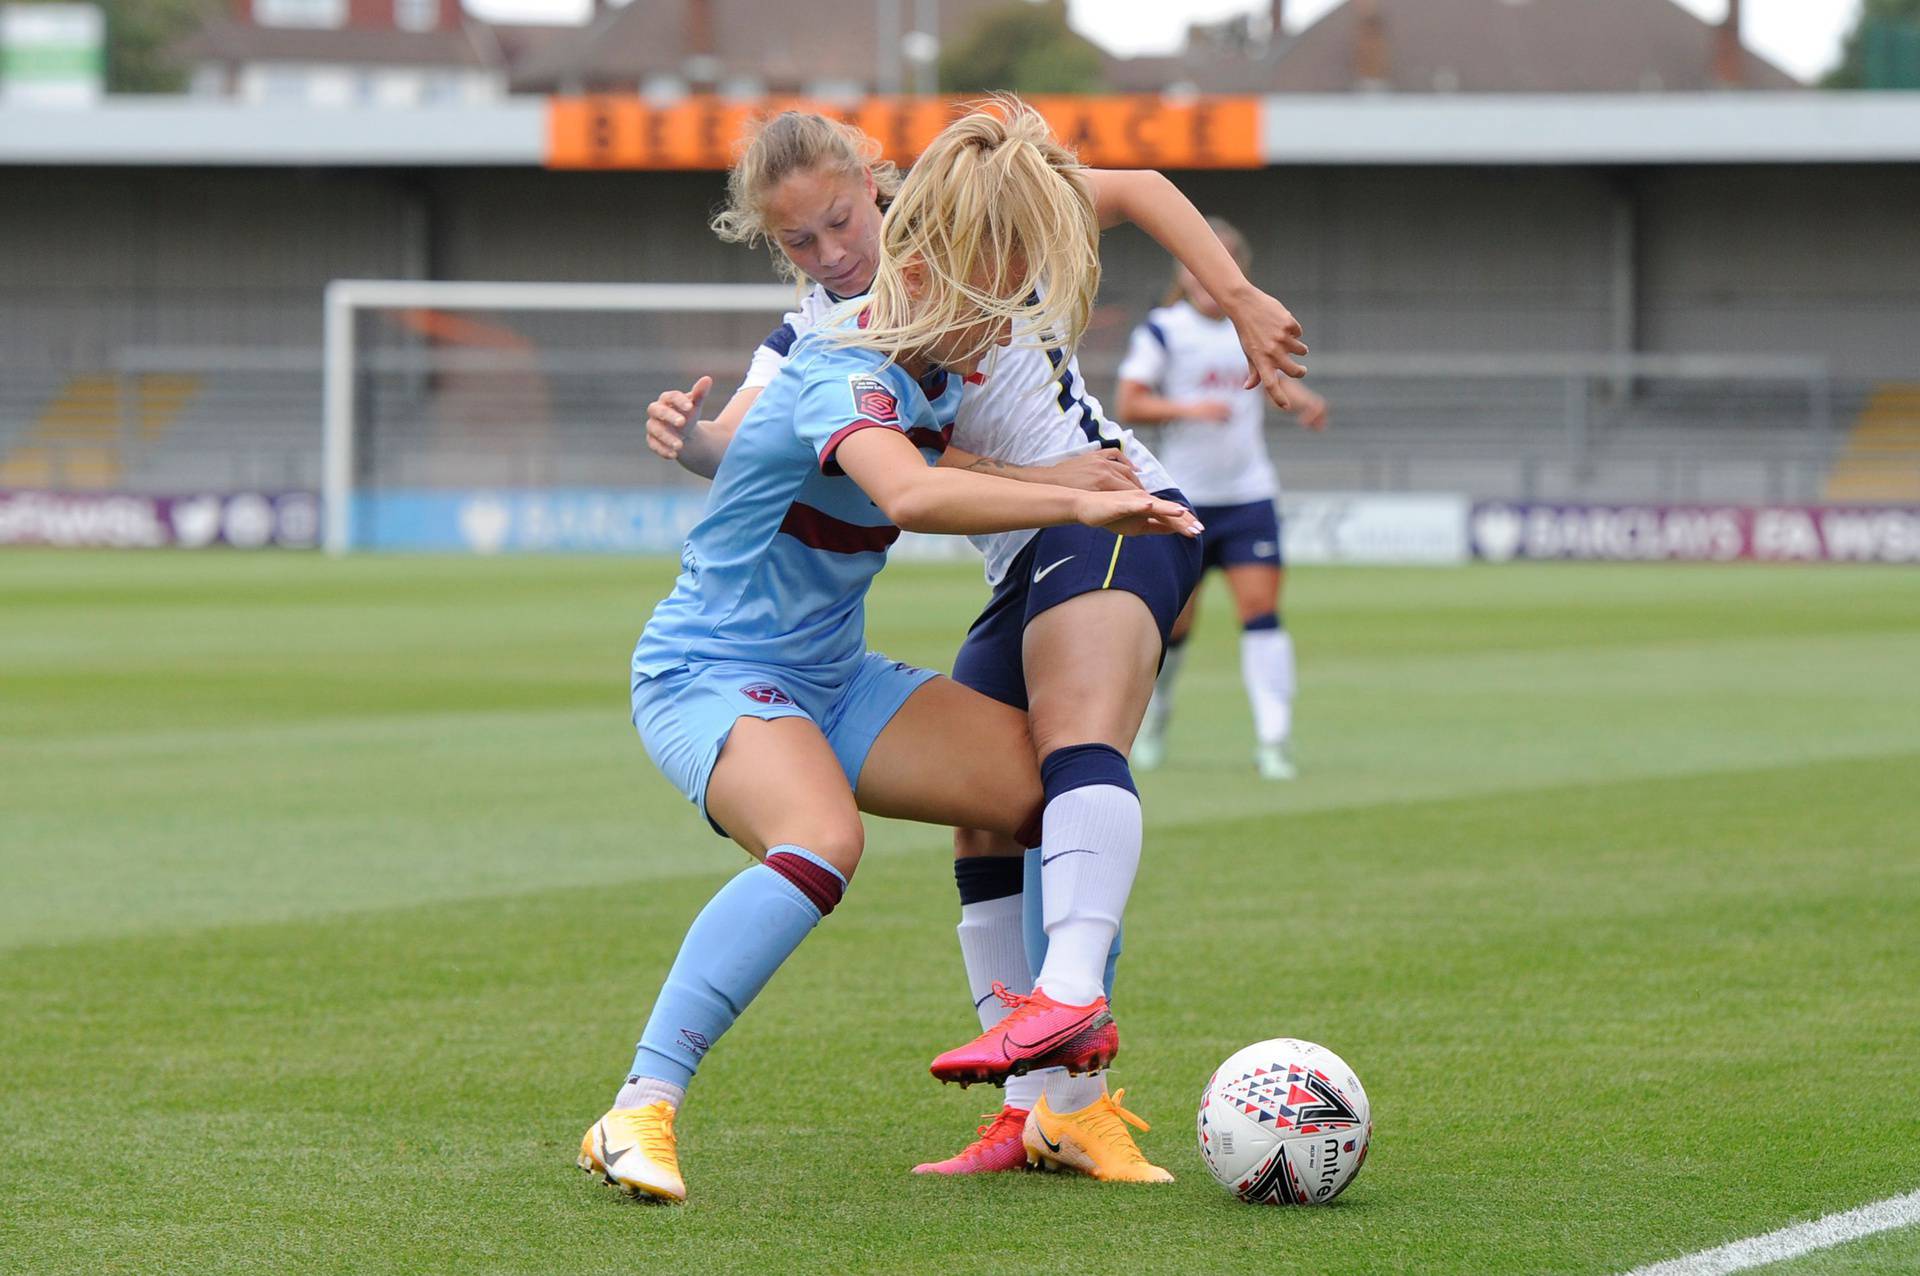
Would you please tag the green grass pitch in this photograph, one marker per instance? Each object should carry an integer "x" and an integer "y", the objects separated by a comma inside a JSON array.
[{"x": 333, "y": 895}]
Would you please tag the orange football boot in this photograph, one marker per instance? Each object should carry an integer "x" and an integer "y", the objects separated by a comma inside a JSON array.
[{"x": 1095, "y": 1141}]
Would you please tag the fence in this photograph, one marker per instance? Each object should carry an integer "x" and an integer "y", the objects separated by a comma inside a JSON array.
[{"x": 1532, "y": 427}]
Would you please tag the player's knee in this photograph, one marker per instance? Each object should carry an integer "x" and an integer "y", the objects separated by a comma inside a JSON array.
[
  {"x": 812, "y": 874},
  {"x": 985, "y": 844},
  {"x": 1080, "y": 766},
  {"x": 840, "y": 845}
]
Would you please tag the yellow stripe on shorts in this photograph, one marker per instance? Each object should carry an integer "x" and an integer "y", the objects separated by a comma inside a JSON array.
[{"x": 1118, "y": 541}]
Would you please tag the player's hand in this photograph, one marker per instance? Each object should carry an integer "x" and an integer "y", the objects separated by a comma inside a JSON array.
[
  {"x": 1270, "y": 335},
  {"x": 1136, "y": 513},
  {"x": 1309, "y": 407},
  {"x": 669, "y": 416},
  {"x": 1101, "y": 470},
  {"x": 1218, "y": 411}
]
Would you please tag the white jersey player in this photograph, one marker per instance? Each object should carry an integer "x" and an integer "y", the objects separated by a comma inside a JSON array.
[
  {"x": 1026, "y": 408},
  {"x": 1076, "y": 626},
  {"x": 1183, "y": 372}
]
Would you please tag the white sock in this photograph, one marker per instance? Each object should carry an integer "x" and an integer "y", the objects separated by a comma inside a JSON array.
[
  {"x": 1090, "y": 851},
  {"x": 638, "y": 1092},
  {"x": 1160, "y": 707},
  {"x": 1266, "y": 666},
  {"x": 994, "y": 950},
  {"x": 1068, "y": 1093},
  {"x": 1024, "y": 1090}
]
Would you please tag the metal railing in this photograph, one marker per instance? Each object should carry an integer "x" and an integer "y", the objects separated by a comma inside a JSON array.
[{"x": 1671, "y": 426}]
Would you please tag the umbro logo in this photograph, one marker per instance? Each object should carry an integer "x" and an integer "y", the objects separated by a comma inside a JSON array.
[{"x": 695, "y": 1041}]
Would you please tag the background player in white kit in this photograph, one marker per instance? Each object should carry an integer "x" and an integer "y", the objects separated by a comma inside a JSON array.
[
  {"x": 1075, "y": 629},
  {"x": 1184, "y": 370}
]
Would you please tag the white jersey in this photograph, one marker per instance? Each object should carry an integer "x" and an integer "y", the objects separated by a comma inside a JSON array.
[
  {"x": 1026, "y": 406},
  {"x": 1183, "y": 354}
]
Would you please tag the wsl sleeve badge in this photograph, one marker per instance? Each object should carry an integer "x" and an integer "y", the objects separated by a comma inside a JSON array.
[
  {"x": 873, "y": 399},
  {"x": 1284, "y": 1122}
]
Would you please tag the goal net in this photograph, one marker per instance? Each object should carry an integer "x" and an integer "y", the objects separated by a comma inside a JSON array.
[{"x": 511, "y": 416}]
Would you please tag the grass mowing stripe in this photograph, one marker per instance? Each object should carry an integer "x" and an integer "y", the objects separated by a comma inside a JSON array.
[
  {"x": 711, "y": 859},
  {"x": 1791, "y": 1242},
  {"x": 1603, "y": 878},
  {"x": 1520, "y": 981}
]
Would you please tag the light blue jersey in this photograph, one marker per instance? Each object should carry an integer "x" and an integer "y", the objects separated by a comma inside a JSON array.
[{"x": 776, "y": 572}]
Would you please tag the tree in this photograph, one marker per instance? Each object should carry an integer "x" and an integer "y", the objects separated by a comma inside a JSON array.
[
  {"x": 1889, "y": 25},
  {"x": 1023, "y": 47},
  {"x": 138, "y": 34}
]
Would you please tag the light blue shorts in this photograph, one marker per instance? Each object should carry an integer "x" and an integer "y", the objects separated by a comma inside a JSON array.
[{"x": 685, "y": 715}]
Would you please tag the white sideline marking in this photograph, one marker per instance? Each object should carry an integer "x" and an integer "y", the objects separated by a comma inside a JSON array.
[{"x": 1791, "y": 1242}]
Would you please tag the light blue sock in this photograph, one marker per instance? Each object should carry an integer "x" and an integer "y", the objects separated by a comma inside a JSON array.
[
  {"x": 1033, "y": 914},
  {"x": 733, "y": 947},
  {"x": 1033, "y": 923}
]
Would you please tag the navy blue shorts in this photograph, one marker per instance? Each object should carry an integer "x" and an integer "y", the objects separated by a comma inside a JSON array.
[
  {"x": 1240, "y": 534},
  {"x": 1061, "y": 563}
]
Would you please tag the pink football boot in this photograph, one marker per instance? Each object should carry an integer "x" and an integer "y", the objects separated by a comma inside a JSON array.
[
  {"x": 999, "y": 1147},
  {"x": 1038, "y": 1032}
]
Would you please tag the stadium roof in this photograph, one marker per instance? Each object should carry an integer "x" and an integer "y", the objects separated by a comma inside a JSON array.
[
  {"x": 1346, "y": 128},
  {"x": 1468, "y": 46},
  {"x": 223, "y": 39},
  {"x": 619, "y": 49}
]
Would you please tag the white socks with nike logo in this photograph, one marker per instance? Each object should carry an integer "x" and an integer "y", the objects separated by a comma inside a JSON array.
[
  {"x": 994, "y": 949},
  {"x": 1089, "y": 853},
  {"x": 1266, "y": 666}
]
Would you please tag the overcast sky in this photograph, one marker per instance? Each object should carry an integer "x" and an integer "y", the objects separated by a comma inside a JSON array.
[{"x": 1801, "y": 35}]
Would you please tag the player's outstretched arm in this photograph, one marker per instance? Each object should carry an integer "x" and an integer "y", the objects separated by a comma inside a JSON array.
[
  {"x": 674, "y": 432},
  {"x": 918, "y": 497},
  {"x": 1268, "y": 331},
  {"x": 1140, "y": 404},
  {"x": 1310, "y": 408},
  {"x": 1100, "y": 470}
]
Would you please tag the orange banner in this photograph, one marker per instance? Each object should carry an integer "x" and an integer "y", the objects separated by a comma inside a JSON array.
[{"x": 703, "y": 132}]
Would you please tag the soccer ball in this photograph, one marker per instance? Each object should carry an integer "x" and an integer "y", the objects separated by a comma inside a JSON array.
[{"x": 1284, "y": 1122}]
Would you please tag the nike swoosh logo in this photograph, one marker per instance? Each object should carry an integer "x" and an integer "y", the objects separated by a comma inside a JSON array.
[
  {"x": 1058, "y": 1037},
  {"x": 1042, "y": 573},
  {"x": 607, "y": 1155},
  {"x": 1051, "y": 1145},
  {"x": 1048, "y": 859},
  {"x": 983, "y": 1001}
]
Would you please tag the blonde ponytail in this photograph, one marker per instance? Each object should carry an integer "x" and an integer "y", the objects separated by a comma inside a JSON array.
[{"x": 997, "y": 219}]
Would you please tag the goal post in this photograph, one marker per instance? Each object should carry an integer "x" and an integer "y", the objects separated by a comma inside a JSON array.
[{"x": 456, "y": 385}]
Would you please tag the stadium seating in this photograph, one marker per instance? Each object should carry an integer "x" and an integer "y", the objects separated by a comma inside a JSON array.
[{"x": 527, "y": 426}]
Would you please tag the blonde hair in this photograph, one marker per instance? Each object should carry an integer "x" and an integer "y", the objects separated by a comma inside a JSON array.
[
  {"x": 997, "y": 219},
  {"x": 1231, "y": 239},
  {"x": 793, "y": 142}
]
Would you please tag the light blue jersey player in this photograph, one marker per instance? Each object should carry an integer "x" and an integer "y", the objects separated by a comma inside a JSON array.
[
  {"x": 752, "y": 686},
  {"x": 768, "y": 617}
]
